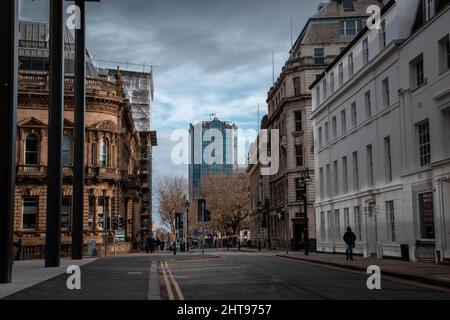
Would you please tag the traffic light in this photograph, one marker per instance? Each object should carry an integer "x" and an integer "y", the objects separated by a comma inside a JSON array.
[
  {"x": 201, "y": 209},
  {"x": 207, "y": 215},
  {"x": 264, "y": 220},
  {"x": 119, "y": 222}
]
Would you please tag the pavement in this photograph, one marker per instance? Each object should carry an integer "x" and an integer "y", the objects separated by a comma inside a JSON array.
[
  {"x": 31, "y": 272},
  {"x": 217, "y": 275},
  {"x": 423, "y": 272}
]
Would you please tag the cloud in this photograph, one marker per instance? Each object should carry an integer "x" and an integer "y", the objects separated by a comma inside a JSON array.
[{"x": 213, "y": 56}]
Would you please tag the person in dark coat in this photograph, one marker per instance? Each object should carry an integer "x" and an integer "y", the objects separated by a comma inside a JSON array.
[
  {"x": 349, "y": 238},
  {"x": 147, "y": 245}
]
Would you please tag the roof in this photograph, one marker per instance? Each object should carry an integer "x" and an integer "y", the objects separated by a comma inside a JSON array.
[{"x": 34, "y": 45}]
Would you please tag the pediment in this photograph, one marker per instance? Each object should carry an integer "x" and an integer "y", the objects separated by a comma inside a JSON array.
[
  {"x": 68, "y": 123},
  {"x": 31, "y": 122},
  {"x": 105, "y": 125}
]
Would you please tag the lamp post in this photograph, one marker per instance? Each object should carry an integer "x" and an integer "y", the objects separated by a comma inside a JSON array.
[
  {"x": 259, "y": 225},
  {"x": 185, "y": 223},
  {"x": 306, "y": 179},
  {"x": 286, "y": 227}
]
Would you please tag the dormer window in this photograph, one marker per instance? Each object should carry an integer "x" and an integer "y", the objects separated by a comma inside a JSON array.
[{"x": 348, "y": 5}]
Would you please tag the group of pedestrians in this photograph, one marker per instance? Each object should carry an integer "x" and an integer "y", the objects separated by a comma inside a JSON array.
[{"x": 151, "y": 244}]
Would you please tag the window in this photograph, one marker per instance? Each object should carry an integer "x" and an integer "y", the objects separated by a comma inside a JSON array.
[
  {"x": 322, "y": 226},
  {"x": 91, "y": 212},
  {"x": 94, "y": 154},
  {"x": 321, "y": 183},
  {"x": 365, "y": 45},
  {"x": 102, "y": 212},
  {"x": 348, "y": 6},
  {"x": 383, "y": 34},
  {"x": 318, "y": 95},
  {"x": 104, "y": 149},
  {"x": 337, "y": 225},
  {"x": 328, "y": 180},
  {"x": 332, "y": 82},
  {"x": 299, "y": 155},
  {"x": 344, "y": 175},
  {"x": 298, "y": 121},
  {"x": 334, "y": 124},
  {"x": 65, "y": 213},
  {"x": 343, "y": 121},
  {"x": 32, "y": 150},
  {"x": 351, "y": 69},
  {"x": 369, "y": 165},
  {"x": 386, "y": 92},
  {"x": 368, "y": 104},
  {"x": 346, "y": 218},
  {"x": 426, "y": 215},
  {"x": 297, "y": 87},
  {"x": 358, "y": 225},
  {"x": 444, "y": 54},
  {"x": 388, "y": 159},
  {"x": 320, "y": 137},
  {"x": 330, "y": 225},
  {"x": 341, "y": 75},
  {"x": 354, "y": 115},
  {"x": 355, "y": 172},
  {"x": 417, "y": 72},
  {"x": 324, "y": 90},
  {"x": 66, "y": 151},
  {"x": 319, "y": 55},
  {"x": 424, "y": 143},
  {"x": 30, "y": 213},
  {"x": 350, "y": 27},
  {"x": 336, "y": 178},
  {"x": 299, "y": 190},
  {"x": 390, "y": 218},
  {"x": 327, "y": 132}
]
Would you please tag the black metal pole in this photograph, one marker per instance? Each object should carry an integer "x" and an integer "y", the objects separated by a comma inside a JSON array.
[
  {"x": 55, "y": 133},
  {"x": 79, "y": 131},
  {"x": 305, "y": 208},
  {"x": 8, "y": 130}
]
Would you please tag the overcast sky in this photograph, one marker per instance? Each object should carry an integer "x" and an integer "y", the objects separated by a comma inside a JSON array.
[{"x": 213, "y": 56}]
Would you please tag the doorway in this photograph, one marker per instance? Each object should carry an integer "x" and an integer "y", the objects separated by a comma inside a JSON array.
[
  {"x": 372, "y": 229},
  {"x": 299, "y": 236}
]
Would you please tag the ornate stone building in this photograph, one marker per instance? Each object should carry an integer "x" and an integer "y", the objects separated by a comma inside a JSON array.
[{"x": 112, "y": 150}]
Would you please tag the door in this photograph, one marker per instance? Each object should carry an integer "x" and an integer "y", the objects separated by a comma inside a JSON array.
[{"x": 298, "y": 236}]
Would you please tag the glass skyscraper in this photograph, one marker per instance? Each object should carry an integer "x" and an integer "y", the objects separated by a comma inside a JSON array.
[{"x": 213, "y": 150}]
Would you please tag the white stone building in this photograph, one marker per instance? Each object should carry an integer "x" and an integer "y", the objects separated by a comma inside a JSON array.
[{"x": 381, "y": 118}]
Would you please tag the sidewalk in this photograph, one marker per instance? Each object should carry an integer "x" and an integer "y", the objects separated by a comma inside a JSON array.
[
  {"x": 31, "y": 272},
  {"x": 427, "y": 273}
]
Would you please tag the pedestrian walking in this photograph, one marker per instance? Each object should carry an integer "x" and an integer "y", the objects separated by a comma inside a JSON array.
[
  {"x": 147, "y": 245},
  {"x": 349, "y": 238}
]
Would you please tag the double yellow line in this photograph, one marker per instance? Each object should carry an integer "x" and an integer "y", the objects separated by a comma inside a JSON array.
[{"x": 168, "y": 279}]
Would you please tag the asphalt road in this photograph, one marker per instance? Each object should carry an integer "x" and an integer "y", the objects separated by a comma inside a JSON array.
[{"x": 221, "y": 275}]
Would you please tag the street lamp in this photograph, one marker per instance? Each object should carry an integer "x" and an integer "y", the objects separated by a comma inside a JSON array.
[{"x": 306, "y": 179}]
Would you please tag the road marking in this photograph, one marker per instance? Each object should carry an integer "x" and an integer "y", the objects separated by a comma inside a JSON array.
[
  {"x": 134, "y": 272},
  {"x": 166, "y": 282},
  {"x": 153, "y": 286},
  {"x": 175, "y": 283}
]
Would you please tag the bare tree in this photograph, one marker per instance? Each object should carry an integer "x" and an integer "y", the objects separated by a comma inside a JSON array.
[
  {"x": 171, "y": 190},
  {"x": 228, "y": 199}
]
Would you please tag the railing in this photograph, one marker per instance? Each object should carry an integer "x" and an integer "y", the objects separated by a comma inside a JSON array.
[
  {"x": 31, "y": 170},
  {"x": 38, "y": 81}
]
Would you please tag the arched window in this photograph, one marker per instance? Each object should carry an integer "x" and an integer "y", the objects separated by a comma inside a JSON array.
[
  {"x": 104, "y": 149},
  {"x": 66, "y": 151},
  {"x": 32, "y": 150}
]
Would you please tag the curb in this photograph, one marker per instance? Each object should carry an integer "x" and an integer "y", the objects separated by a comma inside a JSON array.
[{"x": 410, "y": 277}]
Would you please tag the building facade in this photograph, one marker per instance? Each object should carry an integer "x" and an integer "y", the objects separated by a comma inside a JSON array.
[
  {"x": 384, "y": 161},
  {"x": 332, "y": 27},
  {"x": 113, "y": 190},
  {"x": 212, "y": 150},
  {"x": 138, "y": 88}
]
